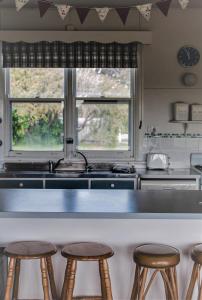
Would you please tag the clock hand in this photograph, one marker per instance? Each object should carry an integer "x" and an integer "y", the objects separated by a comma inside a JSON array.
[{"x": 188, "y": 54}]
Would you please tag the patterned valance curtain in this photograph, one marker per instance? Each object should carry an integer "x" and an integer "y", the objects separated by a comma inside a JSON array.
[{"x": 72, "y": 55}]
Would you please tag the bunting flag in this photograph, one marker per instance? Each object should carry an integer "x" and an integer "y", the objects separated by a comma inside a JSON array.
[
  {"x": 183, "y": 3},
  {"x": 145, "y": 10},
  {"x": 82, "y": 13},
  {"x": 20, "y": 3},
  {"x": 102, "y": 13},
  {"x": 164, "y": 6},
  {"x": 123, "y": 13},
  {"x": 43, "y": 7},
  {"x": 63, "y": 10}
]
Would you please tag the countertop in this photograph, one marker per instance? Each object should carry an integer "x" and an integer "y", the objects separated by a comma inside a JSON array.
[
  {"x": 170, "y": 173},
  {"x": 119, "y": 204}
]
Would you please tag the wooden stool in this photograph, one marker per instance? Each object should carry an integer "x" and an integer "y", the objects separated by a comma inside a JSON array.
[
  {"x": 30, "y": 250},
  {"x": 163, "y": 259},
  {"x": 196, "y": 255},
  {"x": 86, "y": 252}
]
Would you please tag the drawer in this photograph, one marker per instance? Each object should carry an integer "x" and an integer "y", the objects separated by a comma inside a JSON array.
[
  {"x": 23, "y": 184},
  {"x": 113, "y": 184},
  {"x": 66, "y": 184}
]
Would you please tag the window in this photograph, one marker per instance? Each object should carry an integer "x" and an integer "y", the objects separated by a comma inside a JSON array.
[
  {"x": 93, "y": 106},
  {"x": 103, "y": 108},
  {"x": 36, "y": 101}
]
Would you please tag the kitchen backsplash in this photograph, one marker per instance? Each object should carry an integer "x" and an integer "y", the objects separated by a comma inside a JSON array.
[{"x": 177, "y": 146}]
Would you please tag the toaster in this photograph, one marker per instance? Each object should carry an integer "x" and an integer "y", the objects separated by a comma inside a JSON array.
[{"x": 157, "y": 161}]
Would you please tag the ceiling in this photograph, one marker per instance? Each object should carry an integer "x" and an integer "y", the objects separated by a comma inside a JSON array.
[{"x": 100, "y": 3}]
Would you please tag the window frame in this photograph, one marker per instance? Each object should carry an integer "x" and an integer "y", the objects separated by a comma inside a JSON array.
[
  {"x": 111, "y": 154},
  {"x": 8, "y": 122},
  {"x": 70, "y": 123}
]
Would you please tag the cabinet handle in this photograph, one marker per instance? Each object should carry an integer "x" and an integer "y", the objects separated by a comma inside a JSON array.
[
  {"x": 112, "y": 185},
  {"x": 21, "y": 184}
]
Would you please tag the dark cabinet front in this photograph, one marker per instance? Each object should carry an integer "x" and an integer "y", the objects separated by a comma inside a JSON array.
[
  {"x": 66, "y": 184},
  {"x": 113, "y": 184},
  {"x": 21, "y": 184}
]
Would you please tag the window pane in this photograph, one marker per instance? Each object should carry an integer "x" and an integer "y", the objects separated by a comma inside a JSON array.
[
  {"x": 32, "y": 83},
  {"x": 109, "y": 83},
  {"x": 103, "y": 126},
  {"x": 37, "y": 126}
]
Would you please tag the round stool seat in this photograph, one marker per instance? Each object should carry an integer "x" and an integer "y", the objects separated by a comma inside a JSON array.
[
  {"x": 156, "y": 256},
  {"x": 87, "y": 251},
  {"x": 197, "y": 254},
  {"x": 30, "y": 249}
]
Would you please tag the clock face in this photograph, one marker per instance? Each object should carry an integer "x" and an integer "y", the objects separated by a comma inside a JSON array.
[{"x": 188, "y": 56}]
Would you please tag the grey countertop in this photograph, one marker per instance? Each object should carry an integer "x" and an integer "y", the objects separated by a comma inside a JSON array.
[
  {"x": 114, "y": 204},
  {"x": 170, "y": 173}
]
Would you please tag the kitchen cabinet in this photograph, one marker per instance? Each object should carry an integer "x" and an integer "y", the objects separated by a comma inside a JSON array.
[
  {"x": 23, "y": 184},
  {"x": 66, "y": 184},
  {"x": 113, "y": 184}
]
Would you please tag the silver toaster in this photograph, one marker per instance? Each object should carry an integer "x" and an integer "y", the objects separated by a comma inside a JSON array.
[{"x": 157, "y": 161}]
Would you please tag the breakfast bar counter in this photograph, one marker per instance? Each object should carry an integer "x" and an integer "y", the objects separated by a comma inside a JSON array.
[
  {"x": 123, "y": 204},
  {"x": 122, "y": 219}
]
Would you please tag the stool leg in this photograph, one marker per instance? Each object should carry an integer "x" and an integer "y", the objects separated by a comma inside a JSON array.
[
  {"x": 51, "y": 277},
  {"x": 16, "y": 281},
  {"x": 105, "y": 280},
  {"x": 192, "y": 283},
  {"x": 44, "y": 274},
  {"x": 136, "y": 284},
  {"x": 142, "y": 284},
  {"x": 168, "y": 283},
  {"x": 9, "y": 284},
  {"x": 69, "y": 280}
]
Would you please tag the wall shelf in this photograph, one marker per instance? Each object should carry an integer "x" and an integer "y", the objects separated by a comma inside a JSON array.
[{"x": 185, "y": 124}]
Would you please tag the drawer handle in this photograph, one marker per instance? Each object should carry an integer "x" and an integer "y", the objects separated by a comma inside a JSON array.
[
  {"x": 21, "y": 184},
  {"x": 112, "y": 185}
]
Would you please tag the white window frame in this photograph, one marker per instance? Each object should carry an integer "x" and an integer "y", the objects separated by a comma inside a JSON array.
[
  {"x": 112, "y": 154},
  {"x": 39, "y": 155},
  {"x": 70, "y": 125}
]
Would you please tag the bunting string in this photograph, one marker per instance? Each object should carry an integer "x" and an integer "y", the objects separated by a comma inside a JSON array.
[{"x": 144, "y": 10}]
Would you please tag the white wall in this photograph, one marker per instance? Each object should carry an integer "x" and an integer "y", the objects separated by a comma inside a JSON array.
[{"x": 162, "y": 72}]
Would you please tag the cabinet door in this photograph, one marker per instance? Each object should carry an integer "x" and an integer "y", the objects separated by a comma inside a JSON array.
[
  {"x": 3, "y": 273},
  {"x": 113, "y": 184},
  {"x": 23, "y": 184},
  {"x": 67, "y": 184}
]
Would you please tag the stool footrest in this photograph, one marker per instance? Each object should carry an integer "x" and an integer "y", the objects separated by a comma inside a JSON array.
[{"x": 88, "y": 298}]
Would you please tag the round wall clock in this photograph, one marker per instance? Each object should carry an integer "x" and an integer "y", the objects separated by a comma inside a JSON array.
[{"x": 188, "y": 56}]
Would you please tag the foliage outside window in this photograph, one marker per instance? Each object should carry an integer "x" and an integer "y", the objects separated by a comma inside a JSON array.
[
  {"x": 103, "y": 109},
  {"x": 37, "y": 126}
]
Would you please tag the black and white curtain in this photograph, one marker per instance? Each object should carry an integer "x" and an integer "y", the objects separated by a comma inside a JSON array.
[{"x": 72, "y": 55}]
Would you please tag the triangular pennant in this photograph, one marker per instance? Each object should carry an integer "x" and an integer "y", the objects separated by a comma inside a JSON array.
[
  {"x": 82, "y": 13},
  {"x": 63, "y": 10},
  {"x": 183, "y": 3},
  {"x": 164, "y": 6},
  {"x": 20, "y": 3},
  {"x": 102, "y": 13},
  {"x": 43, "y": 7},
  {"x": 123, "y": 13},
  {"x": 145, "y": 10}
]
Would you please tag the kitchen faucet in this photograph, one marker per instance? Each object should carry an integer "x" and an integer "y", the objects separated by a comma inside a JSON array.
[
  {"x": 87, "y": 167},
  {"x": 53, "y": 166}
]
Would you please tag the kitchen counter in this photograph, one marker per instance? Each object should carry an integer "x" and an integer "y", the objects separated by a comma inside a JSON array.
[
  {"x": 120, "y": 218},
  {"x": 170, "y": 173},
  {"x": 123, "y": 204}
]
